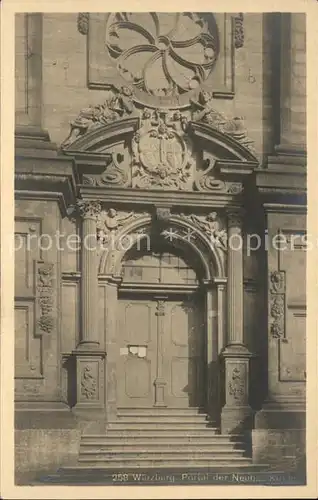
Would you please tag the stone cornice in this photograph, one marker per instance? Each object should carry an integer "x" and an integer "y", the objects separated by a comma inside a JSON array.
[
  {"x": 127, "y": 196},
  {"x": 43, "y": 176},
  {"x": 284, "y": 185}
]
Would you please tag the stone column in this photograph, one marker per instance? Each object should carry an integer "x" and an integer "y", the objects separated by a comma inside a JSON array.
[
  {"x": 235, "y": 280},
  {"x": 90, "y": 368},
  {"x": 89, "y": 211},
  {"x": 293, "y": 82},
  {"x": 236, "y": 413}
]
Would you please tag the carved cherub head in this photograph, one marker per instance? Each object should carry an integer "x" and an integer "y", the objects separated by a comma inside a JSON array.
[
  {"x": 146, "y": 114},
  {"x": 111, "y": 212},
  {"x": 212, "y": 216},
  {"x": 126, "y": 91},
  {"x": 204, "y": 97}
]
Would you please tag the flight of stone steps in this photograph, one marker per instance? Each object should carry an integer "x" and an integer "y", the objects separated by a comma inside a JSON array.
[{"x": 162, "y": 438}]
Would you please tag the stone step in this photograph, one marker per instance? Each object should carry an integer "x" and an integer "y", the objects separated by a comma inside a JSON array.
[
  {"x": 144, "y": 447},
  {"x": 157, "y": 440},
  {"x": 161, "y": 432},
  {"x": 155, "y": 425},
  {"x": 164, "y": 461},
  {"x": 162, "y": 418},
  {"x": 161, "y": 411}
]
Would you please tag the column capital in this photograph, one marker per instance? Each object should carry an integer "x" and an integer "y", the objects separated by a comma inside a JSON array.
[
  {"x": 234, "y": 217},
  {"x": 89, "y": 209}
]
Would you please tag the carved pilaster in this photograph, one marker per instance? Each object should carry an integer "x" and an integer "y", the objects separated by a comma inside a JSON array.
[{"x": 293, "y": 83}]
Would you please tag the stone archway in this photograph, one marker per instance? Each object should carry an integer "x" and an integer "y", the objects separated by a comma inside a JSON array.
[{"x": 208, "y": 295}]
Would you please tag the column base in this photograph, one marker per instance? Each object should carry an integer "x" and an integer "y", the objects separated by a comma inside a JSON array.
[
  {"x": 236, "y": 419},
  {"x": 85, "y": 345},
  {"x": 90, "y": 379},
  {"x": 236, "y": 415},
  {"x": 160, "y": 385}
]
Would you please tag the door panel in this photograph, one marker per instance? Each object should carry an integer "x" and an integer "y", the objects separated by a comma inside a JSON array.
[
  {"x": 168, "y": 346},
  {"x": 137, "y": 339},
  {"x": 184, "y": 353}
]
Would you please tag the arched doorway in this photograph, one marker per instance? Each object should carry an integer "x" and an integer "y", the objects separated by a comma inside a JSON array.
[{"x": 161, "y": 329}]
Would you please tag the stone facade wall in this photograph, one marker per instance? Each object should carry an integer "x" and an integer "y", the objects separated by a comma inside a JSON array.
[
  {"x": 51, "y": 89},
  {"x": 65, "y": 92}
]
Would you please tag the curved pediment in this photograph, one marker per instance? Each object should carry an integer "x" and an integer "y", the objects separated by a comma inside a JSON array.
[
  {"x": 101, "y": 136},
  {"x": 224, "y": 146},
  {"x": 191, "y": 150}
]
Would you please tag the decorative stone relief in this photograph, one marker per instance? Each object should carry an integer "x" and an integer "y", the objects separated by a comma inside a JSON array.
[
  {"x": 82, "y": 22},
  {"x": 277, "y": 304},
  {"x": 88, "y": 383},
  {"x": 111, "y": 221},
  {"x": 206, "y": 178},
  {"x": 119, "y": 105},
  {"x": 203, "y": 111},
  {"x": 162, "y": 152},
  {"x": 167, "y": 54},
  {"x": 116, "y": 173},
  {"x": 89, "y": 208},
  {"x": 239, "y": 30},
  {"x": 45, "y": 297},
  {"x": 160, "y": 308},
  {"x": 236, "y": 385},
  {"x": 211, "y": 226},
  {"x": 163, "y": 214}
]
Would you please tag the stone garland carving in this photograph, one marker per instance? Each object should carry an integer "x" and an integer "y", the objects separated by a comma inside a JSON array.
[
  {"x": 277, "y": 304},
  {"x": 239, "y": 30},
  {"x": 82, "y": 22},
  {"x": 45, "y": 298},
  {"x": 115, "y": 107},
  {"x": 211, "y": 226},
  {"x": 160, "y": 308},
  {"x": 162, "y": 152},
  {"x": 236, "y": 386},
  {"x": 88, "y": 383}
]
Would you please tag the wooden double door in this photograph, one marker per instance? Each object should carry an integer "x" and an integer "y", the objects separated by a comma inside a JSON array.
[{"x": 161, "y": 343}]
